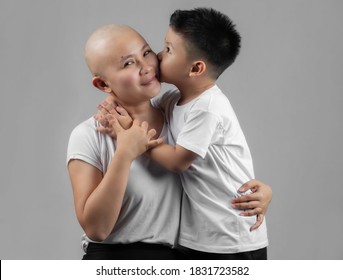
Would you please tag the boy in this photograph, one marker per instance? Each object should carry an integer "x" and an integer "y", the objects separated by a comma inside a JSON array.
[{"x": 210, "y": 148}]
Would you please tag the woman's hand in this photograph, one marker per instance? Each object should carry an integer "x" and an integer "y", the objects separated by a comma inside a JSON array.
[{"x": 256, "y": 203}]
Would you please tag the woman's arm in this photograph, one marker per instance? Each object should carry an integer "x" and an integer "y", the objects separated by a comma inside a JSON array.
[
  {"x": 256, "y": 203},
  {"x": 97, "y": 198}
]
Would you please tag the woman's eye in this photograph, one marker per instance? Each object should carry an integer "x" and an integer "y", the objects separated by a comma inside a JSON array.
[
  {"x": 147, "y": 52},
  {"x": 167, "y": 49},
  {"x": 127, "y": 63}
]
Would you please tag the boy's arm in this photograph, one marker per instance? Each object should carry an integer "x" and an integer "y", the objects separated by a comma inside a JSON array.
[{"x": 177, "y": 159}]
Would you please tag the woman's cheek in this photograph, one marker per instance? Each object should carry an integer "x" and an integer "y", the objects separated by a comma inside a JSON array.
[{"x": 128, "y": 81}]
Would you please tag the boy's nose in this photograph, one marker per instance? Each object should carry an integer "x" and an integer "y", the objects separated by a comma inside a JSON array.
[{"x": 159, "y": 56}]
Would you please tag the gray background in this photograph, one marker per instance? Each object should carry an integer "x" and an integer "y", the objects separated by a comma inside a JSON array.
[{"x": 286, "y": 87}]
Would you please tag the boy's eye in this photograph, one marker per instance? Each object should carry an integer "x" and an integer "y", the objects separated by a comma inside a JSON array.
[
  {"x": 167, "y": 49},
  {"x": 147, "y": 52}
]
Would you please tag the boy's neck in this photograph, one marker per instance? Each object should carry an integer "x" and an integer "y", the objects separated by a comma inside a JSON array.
[{"x": 189, "y": 92}]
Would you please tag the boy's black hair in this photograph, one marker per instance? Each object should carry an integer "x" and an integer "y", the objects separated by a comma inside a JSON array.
[{"x": 209, "y": 33}]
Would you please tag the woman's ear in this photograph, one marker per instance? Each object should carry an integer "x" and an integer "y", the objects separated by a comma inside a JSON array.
[
  {"x": 101, "y": 84},
  {"x": 198, "y": 68}
]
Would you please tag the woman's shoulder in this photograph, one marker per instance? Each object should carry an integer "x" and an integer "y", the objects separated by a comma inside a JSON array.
[
  {"x": 85, "y": 143},
  {"x": 86, "y": 133},
  {"x": 86, "y": 127}
]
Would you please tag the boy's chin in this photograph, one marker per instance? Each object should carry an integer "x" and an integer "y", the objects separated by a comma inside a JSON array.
[{"x": 163, "y": 79}]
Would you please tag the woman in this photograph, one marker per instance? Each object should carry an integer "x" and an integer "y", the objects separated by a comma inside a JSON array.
[{"x": 128, "y": 206}]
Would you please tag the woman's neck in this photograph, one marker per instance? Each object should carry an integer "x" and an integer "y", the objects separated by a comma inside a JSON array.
[{"x": 146, "y": 112}]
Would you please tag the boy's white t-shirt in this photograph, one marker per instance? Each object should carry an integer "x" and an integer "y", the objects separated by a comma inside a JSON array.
[
  {"x": 151, "y": 207},
  {"x": 208, "y": 126}
]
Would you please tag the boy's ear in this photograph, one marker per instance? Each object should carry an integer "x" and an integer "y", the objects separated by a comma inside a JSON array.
[
  {"x": 101, "y": 84},
  {"x": 198, "y": 68}
]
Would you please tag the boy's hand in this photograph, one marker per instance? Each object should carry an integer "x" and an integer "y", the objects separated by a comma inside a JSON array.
[
  {"x": 136, "y": 140},
  {"x": 107, "y": 123},
  {"x": 256, "y": 203},
  {"x": 109, "y": 107}
]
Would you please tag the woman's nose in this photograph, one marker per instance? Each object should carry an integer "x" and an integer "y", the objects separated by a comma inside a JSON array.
[
  {"x": 159, "y": 56},
  {"x": 146, "y": 68}
]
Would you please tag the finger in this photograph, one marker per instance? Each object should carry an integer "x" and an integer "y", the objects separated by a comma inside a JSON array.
[
  {"x": 145, "y": 125},
  {"x": 136, "y": 122},
  {"x": 103, "y": 130},
  {"x": 247, "y": 198},
  {"x": 240, "y": 205},
  {"x": 259, "y": 222},
  {"x": 109, "y": 117},
  {"x": 248, "y": 185},
  {"x": 105, "y": 109},
  {"x": 151, "y": 133},
  {"x": 246, "y": 205},
  {"x": 96, "y": 117},
  {"x": 121, "y": 110},
  {"x": 102, "y": 120},
  {"x": 116, "y": 126},
  {"x": 111, "y": 108},
  {"x": 99, "y": 114},
  {"x": 102, "y": 110},
  {"x": 251, "y": 212},
  {"x": 154, "y": 143}
]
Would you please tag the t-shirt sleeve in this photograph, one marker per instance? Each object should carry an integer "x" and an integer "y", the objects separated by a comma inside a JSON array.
[
  {"x": 156, "y": 101},
  {"x": 165, "y": 100},
  {"x": 84, "y": 145},
  {"x": 198, "y": 131}
]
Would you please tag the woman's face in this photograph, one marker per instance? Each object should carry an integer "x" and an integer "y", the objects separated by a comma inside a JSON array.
[{"x": 131, "y": 69}]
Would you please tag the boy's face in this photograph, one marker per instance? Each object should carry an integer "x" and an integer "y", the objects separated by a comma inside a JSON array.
[
  {"x": 174, "y": 62},
  {"x": 130, "y": 68}
]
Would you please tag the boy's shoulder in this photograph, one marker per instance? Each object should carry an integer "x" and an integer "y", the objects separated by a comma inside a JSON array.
[
  {"x": 171, "y": 94},
  {"x": 167, "y": 98},
  {"x": 211, "y": 99}
]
